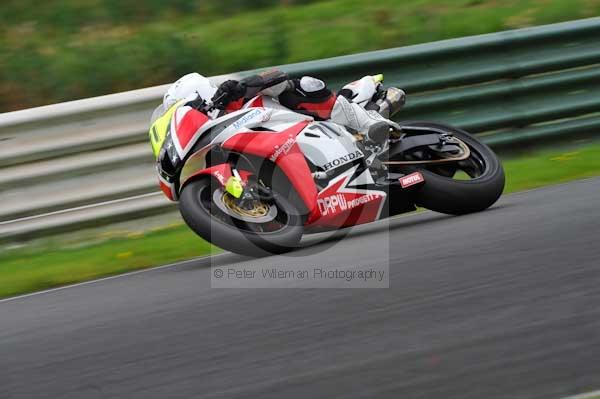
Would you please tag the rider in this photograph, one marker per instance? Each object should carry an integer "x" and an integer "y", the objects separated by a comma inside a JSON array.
[{"x": 355, "y": 106}]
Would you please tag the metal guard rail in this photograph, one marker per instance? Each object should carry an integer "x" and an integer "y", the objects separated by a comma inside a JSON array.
[{"x": 86, "y": 163}]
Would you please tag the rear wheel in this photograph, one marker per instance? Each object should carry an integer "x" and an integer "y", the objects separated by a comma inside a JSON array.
[
  {"x": 261, "y": 228},
  {"x": 469, "y": 185}
]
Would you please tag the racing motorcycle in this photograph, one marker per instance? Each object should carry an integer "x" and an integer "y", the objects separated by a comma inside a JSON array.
[{"x": 255, "y": 180}]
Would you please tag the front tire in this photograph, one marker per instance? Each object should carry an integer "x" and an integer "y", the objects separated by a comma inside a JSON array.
[{"x": 242, "y": 237}]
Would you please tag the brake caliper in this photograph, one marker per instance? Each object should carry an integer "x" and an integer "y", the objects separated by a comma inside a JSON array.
[{"x": 234, "y": 186}]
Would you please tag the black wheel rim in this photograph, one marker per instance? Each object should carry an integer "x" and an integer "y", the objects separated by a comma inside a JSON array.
[{"x": 474, "y": 167}]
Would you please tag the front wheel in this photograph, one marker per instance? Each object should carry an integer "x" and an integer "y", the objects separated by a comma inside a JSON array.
[
  {"x": 466, "y": 186},
  {"x": 268, "y": 227}
]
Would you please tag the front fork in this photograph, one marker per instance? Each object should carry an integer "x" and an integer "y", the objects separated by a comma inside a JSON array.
[{"x": 246, "y": 190}]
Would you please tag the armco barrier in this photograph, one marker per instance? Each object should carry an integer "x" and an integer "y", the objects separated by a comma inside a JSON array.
[{"x": 86, "y": 162}]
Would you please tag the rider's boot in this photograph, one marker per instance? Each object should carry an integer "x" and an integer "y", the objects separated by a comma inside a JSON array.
[
  {"x": 373, "y": 127},
  {"x": 378, "y": 134}
]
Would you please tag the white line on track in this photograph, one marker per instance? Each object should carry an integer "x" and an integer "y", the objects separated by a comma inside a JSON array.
[
  {"x": 150, "y": 269},
  {"x": 589, "y": 395},
  {"x": 64, "y": 287}
]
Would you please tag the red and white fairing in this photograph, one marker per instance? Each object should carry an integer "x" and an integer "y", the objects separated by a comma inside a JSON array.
[
  {"x": 341, "y": 204},
  {"x": 287, "y": 139},
  {"x": 185, "y": 124}
]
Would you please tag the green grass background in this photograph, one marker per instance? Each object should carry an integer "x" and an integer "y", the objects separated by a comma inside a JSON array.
[
  {"x": 62, "y": 50},
  {"x": 45, "y": 266}
]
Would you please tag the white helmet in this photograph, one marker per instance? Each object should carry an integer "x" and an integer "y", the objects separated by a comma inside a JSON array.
[{"x": 190, "y": 86}]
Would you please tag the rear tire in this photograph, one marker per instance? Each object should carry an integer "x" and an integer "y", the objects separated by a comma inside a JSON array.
[
  {"x": 224, "y": 232},
  {"x": 457, "y": 197}
]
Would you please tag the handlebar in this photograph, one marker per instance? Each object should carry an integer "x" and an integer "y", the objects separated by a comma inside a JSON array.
[{"x": 215, "y": 103}]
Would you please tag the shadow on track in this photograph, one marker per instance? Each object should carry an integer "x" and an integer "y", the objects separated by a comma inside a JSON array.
[{"x": 313, "y": 244}]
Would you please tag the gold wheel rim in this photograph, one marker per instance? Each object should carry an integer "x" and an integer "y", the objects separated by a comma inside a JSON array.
[{"x": 260, "y": 209}]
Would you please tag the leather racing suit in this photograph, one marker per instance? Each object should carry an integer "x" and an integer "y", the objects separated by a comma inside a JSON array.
[{"x": 354, "y": 107}]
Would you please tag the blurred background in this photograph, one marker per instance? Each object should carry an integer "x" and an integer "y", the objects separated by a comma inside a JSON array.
[
  {"x": 61, "y": 50},
  {"x": 499, "y": 304},
  {"x": 78, "y": 188}
]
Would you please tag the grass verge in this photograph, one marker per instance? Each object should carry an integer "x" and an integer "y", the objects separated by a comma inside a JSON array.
[
  {"x": 52, "y": 53},
  {"x": 30, "y": 269},
  {"x": 33, "y": 269}
]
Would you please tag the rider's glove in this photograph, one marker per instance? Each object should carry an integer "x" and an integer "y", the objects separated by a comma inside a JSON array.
[
  {"x": 228, "y": 91},
  {"x": 196, "y": 103}
]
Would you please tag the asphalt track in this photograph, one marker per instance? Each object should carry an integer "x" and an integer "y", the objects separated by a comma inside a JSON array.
[{"x": 500, "y": 304}]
